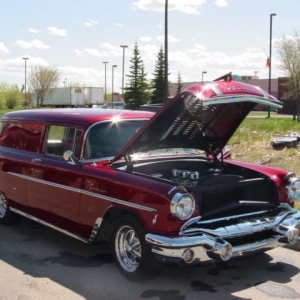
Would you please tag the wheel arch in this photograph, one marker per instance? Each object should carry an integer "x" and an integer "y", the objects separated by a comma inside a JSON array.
[{"x": 104, "y": 231}]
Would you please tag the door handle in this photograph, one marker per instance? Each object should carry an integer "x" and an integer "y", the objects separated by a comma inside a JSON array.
[{"x": 36, "y": 160}]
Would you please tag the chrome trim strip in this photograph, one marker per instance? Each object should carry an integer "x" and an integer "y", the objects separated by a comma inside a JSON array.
[
  {"x": 215, "y": 89},
  {"x": 95, "y": 230},
  {"x": 179, "y": 188},
  {"x": 114, "y": 200},
  {"x": 49, "y": 225},
  {"x": 241, "y": 98},
  {"x": 100, "y": 196},
  {"x": 46, "y": 182}
]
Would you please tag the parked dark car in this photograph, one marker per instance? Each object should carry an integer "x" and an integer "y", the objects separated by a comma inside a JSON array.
[{"x": 154, "y": 185}]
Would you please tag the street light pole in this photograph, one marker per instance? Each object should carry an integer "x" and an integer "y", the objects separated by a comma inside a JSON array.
[
  {"x": 166, "y": 87},
  {"x": 112, "y": 85},
  {"x": 25, "y": 94},
  {"x": 105, "y": 62},
  {"x": 204, "y": 72},
  {"x": 270, "y": 63},
  {"x": 123, "y": 46}
]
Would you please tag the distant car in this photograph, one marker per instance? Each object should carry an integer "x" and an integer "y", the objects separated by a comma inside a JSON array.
[
  {"x": 157, "y": 186},
  {"x": 115, "y": 105}
]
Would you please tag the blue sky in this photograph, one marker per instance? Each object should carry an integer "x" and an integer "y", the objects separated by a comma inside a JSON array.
[{"x": 77, "y": 36}]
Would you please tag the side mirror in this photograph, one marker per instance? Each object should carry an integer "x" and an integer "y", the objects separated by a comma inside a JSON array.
[{"x": 69, "y": 157}]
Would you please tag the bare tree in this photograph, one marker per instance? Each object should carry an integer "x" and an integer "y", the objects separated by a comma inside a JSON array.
[
  {"x": 43, "y": 81},
  {"x": 289, "y": 51}
]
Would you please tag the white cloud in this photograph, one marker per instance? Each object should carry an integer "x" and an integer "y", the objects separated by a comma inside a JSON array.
[
  {"x": 89, "y": 52},
  {"x": 149, "y": 54},
  {"x": 33, "y": 30},
  {"x": 221, "y": 3},
  {"x": 145, "y": 39},
  {"x": 14, "y": 68},
  {"x": 187, "y": 6},
  {"x": 3, "y": 49},
  {"x": 88, "y": 76},
  {"x": 91, "y": 23},
  {"x": 56, "y": 31},
  {"x": 118, "y": 24},
  {"x": 171, "y": 39},
  {"x": 28, "y": 45}
]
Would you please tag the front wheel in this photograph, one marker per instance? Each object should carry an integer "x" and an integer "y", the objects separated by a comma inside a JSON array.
[{"x": 131, "y": 253}]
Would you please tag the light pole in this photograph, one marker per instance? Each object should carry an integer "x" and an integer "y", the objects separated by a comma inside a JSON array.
[
  {"x": 66, "y": 82},
  {"x": 204, "y": 72},
  {"x": 25, "y": 94},
  {"x": 270, "y": 57},
  {"x": 112, "y": 85},
  {"x": 166, "y": 87},
  {"x": 123, "y": 46},
  {"x": 105, "y": 62}
]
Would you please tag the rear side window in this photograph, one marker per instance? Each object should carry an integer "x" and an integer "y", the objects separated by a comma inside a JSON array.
[
  {"x": 61, "y": 138},
  {"x": 23, "y": 136}
]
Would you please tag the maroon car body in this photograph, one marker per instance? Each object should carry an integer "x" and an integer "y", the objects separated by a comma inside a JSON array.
[{"x": 154, "y": 185}]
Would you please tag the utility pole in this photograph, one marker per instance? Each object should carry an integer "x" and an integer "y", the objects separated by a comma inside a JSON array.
[
  {"x": 25, "y": 93},
  {"x": 105, "y": 62},
  {"x": 123, "y": 46}
]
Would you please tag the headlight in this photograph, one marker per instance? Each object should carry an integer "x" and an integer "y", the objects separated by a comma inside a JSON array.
[
  {"x": 293, "y": 189},
  {"x": 182, "y": 205}
]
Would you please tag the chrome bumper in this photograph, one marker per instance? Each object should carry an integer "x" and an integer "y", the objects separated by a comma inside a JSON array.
[{"x": 205, "y": 247}]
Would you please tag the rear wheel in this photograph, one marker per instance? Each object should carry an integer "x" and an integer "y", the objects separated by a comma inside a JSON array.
[
  {"x": 6, "y": 215},
  {"x": 131, "y": 253}
]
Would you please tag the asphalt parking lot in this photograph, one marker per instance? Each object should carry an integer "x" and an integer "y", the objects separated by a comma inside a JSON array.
[{"x": 40, "y": 263}]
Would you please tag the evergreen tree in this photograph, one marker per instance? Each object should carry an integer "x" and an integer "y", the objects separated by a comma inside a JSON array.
[
  {"x": 179, "y": 83},
  {"x": 158, "y": 81},
  {"x": 136, "y": 91}
]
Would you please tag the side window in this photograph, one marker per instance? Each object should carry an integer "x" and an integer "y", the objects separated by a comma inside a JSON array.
[
  {"x": 61, "y": 138},
  {"x": 23, "y": 136}
]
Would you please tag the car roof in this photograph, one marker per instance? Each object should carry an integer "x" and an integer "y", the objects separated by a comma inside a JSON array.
[{"x": 79, "y": 116}]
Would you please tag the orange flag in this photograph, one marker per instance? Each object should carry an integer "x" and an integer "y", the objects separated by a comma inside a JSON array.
[{"x": 268, "y": 63}]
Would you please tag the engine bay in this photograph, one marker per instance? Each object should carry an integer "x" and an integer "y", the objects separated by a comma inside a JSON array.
[{"x": 221, "y": 189}]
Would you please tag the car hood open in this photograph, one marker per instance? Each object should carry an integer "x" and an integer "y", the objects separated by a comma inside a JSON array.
[{"x": 203, "y": 116}]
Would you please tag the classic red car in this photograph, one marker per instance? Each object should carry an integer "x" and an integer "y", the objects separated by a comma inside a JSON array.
[{"x": 154, "y": 185}]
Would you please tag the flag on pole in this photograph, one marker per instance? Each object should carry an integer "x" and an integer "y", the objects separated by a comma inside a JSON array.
[{"x": 268, "y": 63}]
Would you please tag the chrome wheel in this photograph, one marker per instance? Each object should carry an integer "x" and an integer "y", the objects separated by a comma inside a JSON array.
[
  {"x": 3, "y": 206},
  {"x": 128, "y": 248}
]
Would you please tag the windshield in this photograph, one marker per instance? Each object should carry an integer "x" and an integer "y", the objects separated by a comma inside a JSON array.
[{"x": 107, "y": 138}]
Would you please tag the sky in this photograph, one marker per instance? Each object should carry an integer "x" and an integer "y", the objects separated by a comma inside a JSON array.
[{"x": 77, "y": 36}]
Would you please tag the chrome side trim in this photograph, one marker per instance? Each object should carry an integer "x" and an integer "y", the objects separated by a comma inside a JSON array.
[
  {"x": 95, "y": 230},
  {"x": 48, "y": 225},
  {"x": 114, "y": 200},
  {"x": 45, "y": 182},
  {"x": 100, "y": 196}
]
